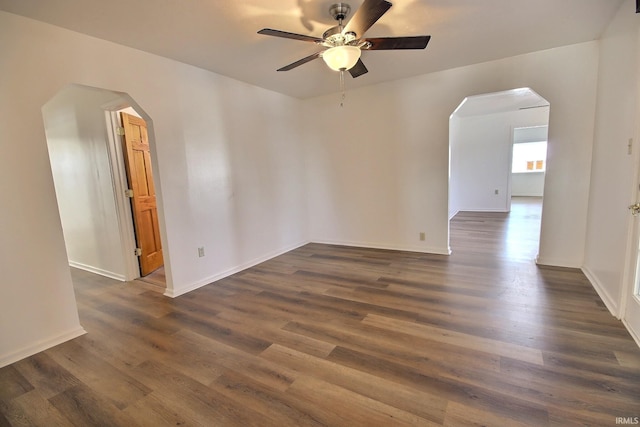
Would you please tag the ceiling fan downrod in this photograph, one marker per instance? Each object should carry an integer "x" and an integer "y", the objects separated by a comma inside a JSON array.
[
  {"x": 333, "y": 36},
  {"x": 339, "y": 12}
]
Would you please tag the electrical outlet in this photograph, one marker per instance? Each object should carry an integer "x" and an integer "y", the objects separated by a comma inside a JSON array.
[
  {"x": 201, "y": 251},
  {"x": 422, "y": 235}
]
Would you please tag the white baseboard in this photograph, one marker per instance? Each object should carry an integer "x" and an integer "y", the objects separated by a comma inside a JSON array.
[
  {"x": 392, "y": 247},
  {"x": 536, "y": 195},
  {"x": 612, "y": 306},
  {"x": 97, "y": 270},
  {"x": 489, "y": 210},
  {"x": 564, "y": 263},
  {"x": 176, "y": 292},
  {"x": 30, "y": 350}
]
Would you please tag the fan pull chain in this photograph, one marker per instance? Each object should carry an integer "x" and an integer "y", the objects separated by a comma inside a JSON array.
[{"x": 342, "y": 89}]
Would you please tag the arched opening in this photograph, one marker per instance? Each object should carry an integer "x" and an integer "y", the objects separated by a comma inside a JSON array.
[
  {"x": 483, "y": 131},
  {"x": 82, "y": 126}
]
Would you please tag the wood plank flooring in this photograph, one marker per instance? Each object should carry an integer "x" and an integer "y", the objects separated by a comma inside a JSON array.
[
  {"x": 338, "y": 336},
  {"x": 155, "y": 280}
]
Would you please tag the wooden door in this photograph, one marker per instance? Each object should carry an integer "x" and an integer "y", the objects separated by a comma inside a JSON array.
[{"x": 137, "y": 160}]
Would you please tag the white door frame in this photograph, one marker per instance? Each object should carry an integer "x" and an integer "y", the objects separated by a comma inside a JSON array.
[
  {"x": 120, "y": 185},
  {"x": 631, "y": 274},
  {"x": 631, "y": 271}
]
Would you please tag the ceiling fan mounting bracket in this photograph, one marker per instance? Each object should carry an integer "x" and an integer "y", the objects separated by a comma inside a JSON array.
[{"x": 339, "y": 11}]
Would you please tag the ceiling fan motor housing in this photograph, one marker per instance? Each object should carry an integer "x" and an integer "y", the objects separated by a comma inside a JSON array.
[{"x": 332, "y": 32}]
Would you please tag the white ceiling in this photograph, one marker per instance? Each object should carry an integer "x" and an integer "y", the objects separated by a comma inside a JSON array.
[
  {"x": 500, "y": 102},
  {"x": 220, "y": 35}
]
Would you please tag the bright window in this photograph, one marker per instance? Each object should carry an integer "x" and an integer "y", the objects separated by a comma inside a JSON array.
[{"x": 529, "y": 157}]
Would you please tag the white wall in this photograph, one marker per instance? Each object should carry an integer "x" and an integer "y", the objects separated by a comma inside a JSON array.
[
  {"x": 612, "y": 169},
  {"x": 455, "y": 168},
  {"x": 76, "y": 132},
  {"x": 481, "y": 158},
  {"x": 378, "y": 168},
  {"x": 527, "y": 184},
  {"x": 531, "y": 134},
  {"x": 480, "y": 163},
  {"x": 229, "y": 175}
]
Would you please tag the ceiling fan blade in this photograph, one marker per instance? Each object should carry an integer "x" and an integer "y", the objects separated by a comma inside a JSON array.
[
  {"x": 387, "y": 43},
  {"x": 366, "y": 16},
  {"x": 287, "y": 35},
  {"x": 300, "y": 62},
  {"x": 358, "y": 69}
]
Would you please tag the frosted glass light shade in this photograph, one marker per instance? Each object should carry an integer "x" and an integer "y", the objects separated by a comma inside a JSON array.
[{"x": 341, "y": 57}]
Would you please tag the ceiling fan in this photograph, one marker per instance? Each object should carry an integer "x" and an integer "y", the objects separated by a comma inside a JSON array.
[{"x": 343, "y": 44}]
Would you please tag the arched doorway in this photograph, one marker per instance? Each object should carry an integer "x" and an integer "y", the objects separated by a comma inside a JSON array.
[
  {"x": 482, "y": 132},
  {"x": 87, "y": 163}
]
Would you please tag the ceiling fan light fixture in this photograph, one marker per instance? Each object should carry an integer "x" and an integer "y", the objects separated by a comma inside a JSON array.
[{"x": 341, "y": 58}]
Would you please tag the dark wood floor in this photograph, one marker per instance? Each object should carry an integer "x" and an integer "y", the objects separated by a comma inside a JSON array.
[{"x": 337, "y": 336}]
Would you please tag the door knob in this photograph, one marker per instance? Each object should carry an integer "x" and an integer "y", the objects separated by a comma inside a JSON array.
[{"x": 635, "y": 209}]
